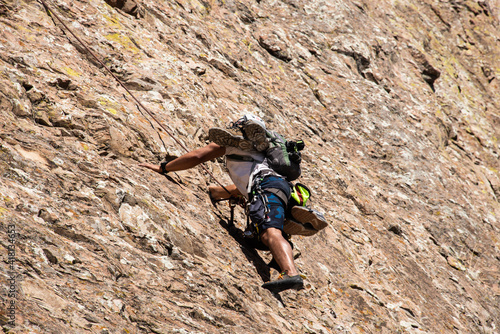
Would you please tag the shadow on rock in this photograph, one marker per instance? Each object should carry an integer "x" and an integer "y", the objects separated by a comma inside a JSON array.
[{"x": 249, "y": 248}]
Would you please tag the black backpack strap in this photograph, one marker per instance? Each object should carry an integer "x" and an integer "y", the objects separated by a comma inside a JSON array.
[{"x": 280, "y": 193}]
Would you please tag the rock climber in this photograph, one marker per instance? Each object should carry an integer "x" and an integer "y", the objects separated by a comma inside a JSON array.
[{"x": 266, "y": 191}]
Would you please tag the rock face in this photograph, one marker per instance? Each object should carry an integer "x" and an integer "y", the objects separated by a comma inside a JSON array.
[{"x": 398, "y": 103}]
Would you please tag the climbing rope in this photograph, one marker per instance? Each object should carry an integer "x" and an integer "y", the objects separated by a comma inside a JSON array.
[{"x": 53, "y": 14}]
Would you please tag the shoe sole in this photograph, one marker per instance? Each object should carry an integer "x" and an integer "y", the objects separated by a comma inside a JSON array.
[
  {"x": 306, "y": 216},
  {"x": 257, "y": 135},
  {"x": 295, "y": 228},
  {"x": 282, "y": 285},
  {"x": 225, "y": 138}
]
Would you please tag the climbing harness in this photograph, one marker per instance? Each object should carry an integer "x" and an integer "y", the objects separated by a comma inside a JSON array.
[
  {"x": 52, "y": 13},
  {"x": 259, "y": 202}
]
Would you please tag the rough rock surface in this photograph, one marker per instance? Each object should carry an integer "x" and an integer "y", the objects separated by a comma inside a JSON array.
[{"x": 399, "y": 105}]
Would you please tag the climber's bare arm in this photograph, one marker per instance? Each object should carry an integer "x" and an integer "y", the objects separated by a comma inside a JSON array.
[{"x": 191, "y": 159}]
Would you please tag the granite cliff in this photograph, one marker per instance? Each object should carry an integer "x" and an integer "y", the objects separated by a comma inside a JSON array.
[{"x": 399, "y": 105}]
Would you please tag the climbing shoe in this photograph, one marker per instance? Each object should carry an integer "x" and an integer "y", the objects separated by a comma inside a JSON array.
[
  {"x": 256, "y": 134},
  {"x": 225, "y": 138},
  {"x": 309, "y": 217},
  {"x": 285, "y": 282},
  {"x": 293, "y": 227}
]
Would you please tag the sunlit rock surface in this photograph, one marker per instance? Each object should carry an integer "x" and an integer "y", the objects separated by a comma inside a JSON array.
[{"x": 398, "y": 103}]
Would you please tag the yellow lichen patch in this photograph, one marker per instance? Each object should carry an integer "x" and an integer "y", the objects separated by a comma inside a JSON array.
[
  {"x": 435, "y": 44},
  {"x": 494, "y": 170},
  {"x": 109, "y": 105},
  {"x": 3, "y": 211},
  {"x": 23, "y": 28},
  {"x": 200, "y": 7},
  {"x": 172, "y": 82},
  {"x": 113, "y": 22},
  {"x": 449, "y": 64},
  {"x": 71, "y": 72},
  {"x": 104, "y": 101},
  {"x": 123, "y": 41},
  {"x": 248, "y": 44},
  {"x": 414, "y": 7}
]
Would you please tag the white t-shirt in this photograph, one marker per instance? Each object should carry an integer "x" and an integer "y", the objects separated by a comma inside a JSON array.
[{"x": 241, "y": 171}]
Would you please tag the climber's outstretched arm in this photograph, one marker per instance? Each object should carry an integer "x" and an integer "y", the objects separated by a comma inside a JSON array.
[{"x": 191, "y": 159}]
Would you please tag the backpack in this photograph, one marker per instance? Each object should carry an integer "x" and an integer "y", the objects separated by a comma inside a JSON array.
[{"x": 284, "y": 156}]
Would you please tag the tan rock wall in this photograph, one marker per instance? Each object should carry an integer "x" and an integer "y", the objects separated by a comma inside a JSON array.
[{"x": 398, "y": 102}]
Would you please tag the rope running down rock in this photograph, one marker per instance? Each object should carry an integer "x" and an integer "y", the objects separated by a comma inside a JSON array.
[{"x": 52, "y": 13}]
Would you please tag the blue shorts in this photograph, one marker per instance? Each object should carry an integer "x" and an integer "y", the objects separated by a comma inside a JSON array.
[{"x": 276, "y": 207}]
